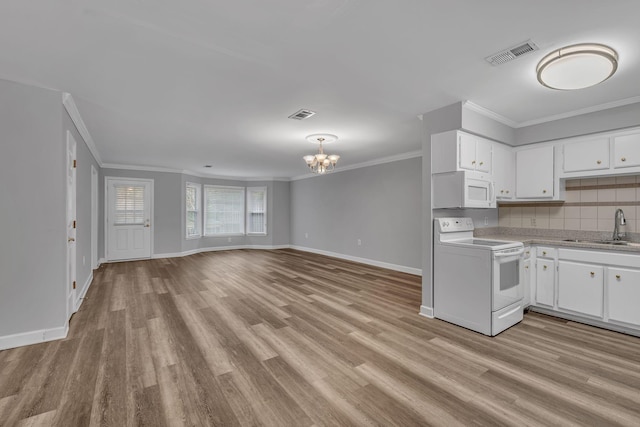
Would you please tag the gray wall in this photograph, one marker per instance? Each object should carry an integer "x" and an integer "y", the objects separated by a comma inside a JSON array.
[
  {"x": 381, "y": 205},
  {"x": 32, "y": 211}
]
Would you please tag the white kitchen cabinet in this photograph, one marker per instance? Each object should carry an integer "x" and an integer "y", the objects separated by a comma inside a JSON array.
[
  {"x": 534, "y": 173},
  {"x": 503, "y": 171},
  {"x": 545, "y": 281},
  {"x": 623, "y": 286},
  {"x": 456, "y": 150},
  {"x": 626, "y": 151},
  {"x": 580, "y": 287},
  {"x": 587, "y": 155}
]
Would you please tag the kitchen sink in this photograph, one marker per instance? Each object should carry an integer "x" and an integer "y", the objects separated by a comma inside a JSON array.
[{"x": 599, "y": 242}]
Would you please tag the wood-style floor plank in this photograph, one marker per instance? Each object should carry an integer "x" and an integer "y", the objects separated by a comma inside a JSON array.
[{"x": 288, "y": 338}]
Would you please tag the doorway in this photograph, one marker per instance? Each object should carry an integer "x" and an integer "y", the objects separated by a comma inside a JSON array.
[
  {"x": 71, "y": 224},
  {"x": 128, "y": 216}
]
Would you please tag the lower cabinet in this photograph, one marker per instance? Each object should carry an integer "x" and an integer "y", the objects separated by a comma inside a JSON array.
[
  {"x": 545, "y": 281},
  {"x": 624, "y": 295},
  {"x": 580, "y": 288}
]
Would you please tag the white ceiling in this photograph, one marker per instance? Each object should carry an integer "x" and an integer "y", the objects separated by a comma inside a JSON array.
[{"x": 181, "y": 84}]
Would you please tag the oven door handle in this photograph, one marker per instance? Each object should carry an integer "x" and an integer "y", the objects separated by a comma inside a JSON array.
[{"x": 506, "y": 254}]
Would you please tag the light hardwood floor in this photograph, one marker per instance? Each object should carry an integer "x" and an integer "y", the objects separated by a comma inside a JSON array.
[{"x": 286, "y": 338}]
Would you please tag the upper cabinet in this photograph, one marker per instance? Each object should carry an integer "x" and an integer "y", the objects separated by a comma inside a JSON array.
[
  {"x": 504, "y": 171},
  {"x": 534, "y": 173},
  {"x": 626, "y": 151},
  {"x": 457, "y": 150},
  {"x": 586, "y": 155}
]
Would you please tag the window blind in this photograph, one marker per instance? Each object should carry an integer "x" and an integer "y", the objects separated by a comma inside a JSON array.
[
  {"x": 129, "y": 207},
  {"x": 224, "y": 210},
  {"x": 192, "y": 200},
  {"x": 257, "y": 210}
]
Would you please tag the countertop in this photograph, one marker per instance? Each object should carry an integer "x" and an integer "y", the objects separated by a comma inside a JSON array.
[{"x": 539, "y": 237}]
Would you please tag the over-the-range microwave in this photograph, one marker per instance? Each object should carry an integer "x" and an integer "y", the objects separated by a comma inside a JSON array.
[{"x": 463, "y": 189}]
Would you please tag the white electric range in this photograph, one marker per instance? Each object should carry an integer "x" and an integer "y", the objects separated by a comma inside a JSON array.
[{"x": 476, "y": 282}]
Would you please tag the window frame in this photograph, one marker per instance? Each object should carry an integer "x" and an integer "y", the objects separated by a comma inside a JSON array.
[
  {"x": 248, "y": 212},
  {"x": 198, "y": 188},
  {"x": 206, "y": 212}
]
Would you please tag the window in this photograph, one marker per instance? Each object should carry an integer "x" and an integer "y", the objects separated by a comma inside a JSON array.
[
  {"x": 192, "y": 197},
  {"x": 224, "y": 210},
  {"x": 257, "y": 210},
  {"x": 129, "y": 207}
]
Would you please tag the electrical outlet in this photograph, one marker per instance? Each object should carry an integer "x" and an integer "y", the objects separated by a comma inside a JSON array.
[
  {"x": 359, "y": 242},
  {"x": 306, "y": 235},
  {"x": 486, "y": 220}
]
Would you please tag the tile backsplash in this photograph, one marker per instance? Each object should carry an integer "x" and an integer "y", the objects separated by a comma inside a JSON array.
[{"x": 589, "y": 205}]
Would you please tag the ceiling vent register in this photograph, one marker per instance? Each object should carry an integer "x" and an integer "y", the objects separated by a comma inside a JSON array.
[
  {"x": 302, "y": 114},
  {"x": 512, "y": 53}
]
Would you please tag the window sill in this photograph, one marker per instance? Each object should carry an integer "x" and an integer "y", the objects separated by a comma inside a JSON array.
[{"x": 256, "y": 234}]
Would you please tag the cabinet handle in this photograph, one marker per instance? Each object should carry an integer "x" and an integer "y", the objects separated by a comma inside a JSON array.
[
  {"x": 624, "y": 159},
  {"x": 544, "y": 253},
  {"x": 528, "y": 252},
  {"x": 599, "y": 162},
  {"x": 526, "y": 267},
  {"x": 544, "y": 191},
  {"x": 507, "y": 191},
  {"x": 618, "y": 276},
  {"x": 473, "y": 162},
  {"x": 544, "y": 267},
  {"x": 481, "y": 163},
  {"x": 592, "y": 274},
  {"x": 501, "y": 191}
]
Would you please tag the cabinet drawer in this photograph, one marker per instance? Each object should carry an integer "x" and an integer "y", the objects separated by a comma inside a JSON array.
[{"x": 545, "y": 252}]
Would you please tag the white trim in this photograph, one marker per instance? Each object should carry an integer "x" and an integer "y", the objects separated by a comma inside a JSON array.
[
  {"x": 490, "y": 114},
  {"x": 216, "y": 249},
  {"x": 33, "y": 337},
  {"x": 595, "y": 108},
  {"x": 74, "y": 113},
  {"x": 504, "y": 120},
  {"x": 426, "y": 311},
  {"x": 375, "y": 263},
  {"x": 106, "y": 211},
  {"x": 394, "y": 158},
  {"x": 82, "y": 293},
  {"x": 101, "y": 261},
  {"x": 95, "y": 207},
  {"x": 191, "y": 173}
]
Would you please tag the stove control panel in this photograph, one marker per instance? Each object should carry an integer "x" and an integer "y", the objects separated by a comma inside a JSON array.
[{"x": 450, "y": 225}]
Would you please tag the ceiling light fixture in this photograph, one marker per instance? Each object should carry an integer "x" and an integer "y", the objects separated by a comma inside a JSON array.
[
  {"x": 577, "y": 66},
  {"x": 321, "y": 163}
]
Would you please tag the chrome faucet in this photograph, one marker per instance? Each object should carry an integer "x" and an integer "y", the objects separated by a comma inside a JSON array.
[{"x": 618, "y": 220}]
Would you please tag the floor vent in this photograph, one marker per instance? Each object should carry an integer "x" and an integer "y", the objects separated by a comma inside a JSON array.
[
  {"x": 512, "y": 53},
  {"x": 302, "y": 114}
]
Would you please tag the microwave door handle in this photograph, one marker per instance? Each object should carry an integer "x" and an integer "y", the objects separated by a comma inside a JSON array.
[
  {"x": 492, "y": 191},
  {"x": 502, "y": 255}
]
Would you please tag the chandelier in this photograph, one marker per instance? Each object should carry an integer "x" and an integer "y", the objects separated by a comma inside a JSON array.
[{"x": 321, "y": 163}]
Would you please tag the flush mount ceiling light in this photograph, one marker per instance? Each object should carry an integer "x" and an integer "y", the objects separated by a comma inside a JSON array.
[
  {"x": 321, "y": 163},
  {"x": 577, "y": 66}
]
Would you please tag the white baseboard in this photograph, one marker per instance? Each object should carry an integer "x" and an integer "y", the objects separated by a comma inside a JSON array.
[
  {"x": 33, "y": 337},
  {"x": 402, "y": 268},
  {"x": 83, "y": 292},
  {"x": 217, "y": 248},
  {"x": 426, "y": 311}
]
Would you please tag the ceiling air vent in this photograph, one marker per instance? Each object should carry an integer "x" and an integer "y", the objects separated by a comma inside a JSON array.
[
  {"x": 512, "y": 53},
  {"x": 302, "y": 114}
]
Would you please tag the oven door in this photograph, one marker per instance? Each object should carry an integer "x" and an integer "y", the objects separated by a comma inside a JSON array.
[{"x": 507, "y": 280}]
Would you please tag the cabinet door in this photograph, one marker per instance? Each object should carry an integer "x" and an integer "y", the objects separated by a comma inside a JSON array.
[
  {"x": 503, "y": 171},
  {"x": 483, "y": 155},
  {"x": 586, "y": 155},
  {"x": 624, "y": 295},
  {"x": 534, "y": 173},
  {"x": 466, "y": 151},
  {"x": 545, "y": 281},
  {"x": 580, "y": 287},
  {"x": 526, "y": 281},
  {"x": 626, "y": 151}
]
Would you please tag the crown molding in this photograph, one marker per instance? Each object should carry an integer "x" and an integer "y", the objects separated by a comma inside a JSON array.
[
  {"x": 490, "y": 114},
  {"x": 190, "y": 173},
  {"x": 516, "y": 125},
  {"x": 74, "y": 113},
  {"x": 380, "y": 161},
  {"x": 595, "y": 108}
]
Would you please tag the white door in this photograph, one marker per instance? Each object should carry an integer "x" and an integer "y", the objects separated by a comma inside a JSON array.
[
  {"x": 94, "y": 218},
  {"x": 71, "y": 225},
  {"x": 128, "y": 218}
]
